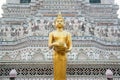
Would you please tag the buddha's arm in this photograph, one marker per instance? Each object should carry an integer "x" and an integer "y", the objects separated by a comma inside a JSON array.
[
  {"x": 69, "y": 42},
  {"x": 51, "y": 43}
]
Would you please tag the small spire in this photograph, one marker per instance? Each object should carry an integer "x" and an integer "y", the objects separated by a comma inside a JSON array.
[
  {"x": 59, "y": 15},
  {"x": 59, "y": 12}
]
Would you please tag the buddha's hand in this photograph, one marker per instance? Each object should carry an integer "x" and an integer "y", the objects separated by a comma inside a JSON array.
[
  {"x": 55, "y": 44},
  {"x": 59, "y": 46},
  {"x": 62, "y": 44},
  {"x": 61, "y": 50},
  {"x": 63, "y": 47},
  {"x": 68, "y": 50}
]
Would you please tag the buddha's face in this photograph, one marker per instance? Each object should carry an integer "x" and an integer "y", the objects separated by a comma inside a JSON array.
[{"x": 59, "y": 23}]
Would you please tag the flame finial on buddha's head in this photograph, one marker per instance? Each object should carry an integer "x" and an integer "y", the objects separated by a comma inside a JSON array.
[{"x": 59, "y": 16}]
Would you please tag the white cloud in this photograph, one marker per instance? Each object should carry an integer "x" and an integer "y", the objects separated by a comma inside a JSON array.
[{"x": 4, "y": 1}]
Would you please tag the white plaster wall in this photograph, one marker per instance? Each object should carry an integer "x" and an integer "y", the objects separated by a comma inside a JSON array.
[
  {"x": 87, "y": 1},
  {"x": 33, "y": 0},
  {"x": 107, "y": 1},
  {"x": 12, "y": 1}
]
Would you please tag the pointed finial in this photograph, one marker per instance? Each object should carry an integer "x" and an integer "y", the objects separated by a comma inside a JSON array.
[
  {"x": 59, "y": 16},
  {"x": 59, "y": 12}
]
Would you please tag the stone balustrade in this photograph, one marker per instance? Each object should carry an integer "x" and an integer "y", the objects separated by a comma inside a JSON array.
[
  {"x": 68, "y": 78},
  {"x": 46, "y": 68}
]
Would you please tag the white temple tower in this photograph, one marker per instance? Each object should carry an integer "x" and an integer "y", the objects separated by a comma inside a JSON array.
[{"x": 94, "y": 26}]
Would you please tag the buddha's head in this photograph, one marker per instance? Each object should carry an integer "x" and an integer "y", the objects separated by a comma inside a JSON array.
[{"x": 59, "y": 21}]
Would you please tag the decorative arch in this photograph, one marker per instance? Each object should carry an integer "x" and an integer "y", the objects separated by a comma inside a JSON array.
[
  {"x": 38, "y": 56},
  {"x": 6, "y": 57},
  {"x": 82, "y": 55}
]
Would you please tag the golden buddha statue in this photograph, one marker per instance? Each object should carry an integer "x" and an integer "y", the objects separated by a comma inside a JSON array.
[{"x": 61, "y": 43}]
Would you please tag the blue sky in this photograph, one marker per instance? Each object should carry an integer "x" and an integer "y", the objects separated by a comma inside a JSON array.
[{"x": 4, "y": 1}]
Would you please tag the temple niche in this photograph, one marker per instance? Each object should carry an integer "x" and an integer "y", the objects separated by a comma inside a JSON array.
[
  {"x": 5, "y": 57},
  {"x": 82, "y": 55}
]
